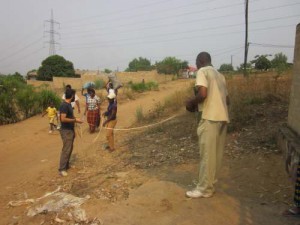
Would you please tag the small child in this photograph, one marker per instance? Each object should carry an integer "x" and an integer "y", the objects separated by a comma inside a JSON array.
[{"x": 52, "y": 114}]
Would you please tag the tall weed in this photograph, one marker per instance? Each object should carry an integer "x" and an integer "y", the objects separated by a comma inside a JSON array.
[{"x": 246, "y": 92}]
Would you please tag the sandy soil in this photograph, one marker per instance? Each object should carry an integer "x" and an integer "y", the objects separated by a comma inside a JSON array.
[{"x": 145, "y": 180}]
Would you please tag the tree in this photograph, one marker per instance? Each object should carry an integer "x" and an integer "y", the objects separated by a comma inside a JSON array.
[
  {"x": 226, "y": 68},
  {"x": 261, "y": 62},
  {"x": 279, "y": 63},
  {"x": 241, "y": 67},
  {"x": 171, "y": 65},
  {"x": 55, "y": 66},
  {"x": 140, "y": 64},
  {"x": 107, "y": 71}
]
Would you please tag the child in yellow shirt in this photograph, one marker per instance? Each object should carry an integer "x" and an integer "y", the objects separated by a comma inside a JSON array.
[{"x": 52, "y": 114}]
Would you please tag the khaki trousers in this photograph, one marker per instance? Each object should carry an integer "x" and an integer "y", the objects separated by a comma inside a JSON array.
[
  {"x": 211, "y": 137},
  {"x": 67, "y": 137},
  {"x": 110, "y": 133}
]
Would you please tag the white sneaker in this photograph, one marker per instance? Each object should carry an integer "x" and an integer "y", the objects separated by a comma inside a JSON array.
[
  {"x": 197, "y": 194},
  {"x": 63, "y": 173}
]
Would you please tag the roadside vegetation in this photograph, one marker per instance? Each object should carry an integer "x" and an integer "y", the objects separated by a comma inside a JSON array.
[
  {"x": 245, "y": 94},
  {"x": 19, "y": 101}
]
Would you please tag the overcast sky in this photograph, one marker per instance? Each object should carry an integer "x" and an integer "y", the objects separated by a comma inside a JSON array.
[{"x": 99, "y": 34}]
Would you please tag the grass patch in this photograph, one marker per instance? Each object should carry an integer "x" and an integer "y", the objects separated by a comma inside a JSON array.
[
  {"x": 143, "y": 86},
  {"x": 139, "y": 114},
  {"x": 246, "y": 92}
]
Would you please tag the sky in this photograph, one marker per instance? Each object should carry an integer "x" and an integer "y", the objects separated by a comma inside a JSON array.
[{"x": 100, "y": 34}]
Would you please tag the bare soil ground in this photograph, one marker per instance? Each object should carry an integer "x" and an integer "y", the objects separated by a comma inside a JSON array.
[{"x": 145, "y": 180}]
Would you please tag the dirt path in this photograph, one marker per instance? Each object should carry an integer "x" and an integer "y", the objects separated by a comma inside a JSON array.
[{"x": 253, "y": 188}]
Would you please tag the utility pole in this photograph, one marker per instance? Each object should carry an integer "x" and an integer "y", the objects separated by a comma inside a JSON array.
[
  {"x": 231, "y": 60},
  {"x": 246, "y": 38},
  {"x": 52, "y": 34}
]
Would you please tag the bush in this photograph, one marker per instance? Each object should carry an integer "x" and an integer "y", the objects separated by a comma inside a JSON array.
[
  {"x": 142, "y": 86},
  {"x": 99, "y": 84},
  {"x": 19, "y": 101},
  {"x": 27, "y": 101},
  {"x": 47, "y": 96}
]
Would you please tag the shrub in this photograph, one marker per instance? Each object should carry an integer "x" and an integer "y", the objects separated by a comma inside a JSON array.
[
  {"x": 139, "y": 114},
  {"x": 99, "y": 84},
  {"x": 27, "y": 101},
  {"x": 128, "y": 93},
  {"x": 47, "y": 96},
  {"x": 19, "y": 101},
  {"x": 144, "y": 86}
]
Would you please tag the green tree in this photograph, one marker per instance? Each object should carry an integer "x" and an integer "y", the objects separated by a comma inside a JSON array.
[
  {"x": 171, "y": 65},
  {"x": 261, "y": 62},
  {"x": 226, "y": 68},
  {"x": 241, "y": 67},
  {"x": 107, "y": 71},
  {"x": 55, "y": 66},
  {"x": 279, "y": 63},
  {"x": 140, "y": 64}
]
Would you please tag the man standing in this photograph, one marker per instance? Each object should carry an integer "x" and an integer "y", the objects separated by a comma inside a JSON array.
[
  {"x": 212, "y": 95},
  {"x": 75, "y": 101},
  {"x": 67, "y": 131}
]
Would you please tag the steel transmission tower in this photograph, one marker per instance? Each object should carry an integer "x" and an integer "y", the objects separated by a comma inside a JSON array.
[{"x": 52, "y": 33}]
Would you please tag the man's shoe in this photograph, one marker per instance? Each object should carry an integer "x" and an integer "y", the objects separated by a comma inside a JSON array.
[
  {"x": 197, "y": 194},
  {"x": 63, "y": 173}
]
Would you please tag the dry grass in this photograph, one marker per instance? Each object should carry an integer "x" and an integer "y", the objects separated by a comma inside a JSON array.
[
  {"x": 246, "y": 92},
  {"x": 170, "y": 104}
]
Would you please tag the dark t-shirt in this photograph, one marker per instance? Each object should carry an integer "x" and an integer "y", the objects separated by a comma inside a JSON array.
[{"x": 66, "y": 108}]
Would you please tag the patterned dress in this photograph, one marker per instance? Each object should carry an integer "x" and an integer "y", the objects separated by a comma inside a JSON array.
[{"x": 93, "y": 112}]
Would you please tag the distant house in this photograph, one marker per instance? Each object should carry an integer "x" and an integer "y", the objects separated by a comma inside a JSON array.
[
  {"x": 31, "y": 75},
  {"x": 191, "y": 72}
]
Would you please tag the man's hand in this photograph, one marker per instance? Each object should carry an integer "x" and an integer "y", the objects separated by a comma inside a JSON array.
[{"x": 191, "y": 105}]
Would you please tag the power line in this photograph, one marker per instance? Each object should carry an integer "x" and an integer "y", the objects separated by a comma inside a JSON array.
[
  {"x": 271, "y": 45},
  {"x": 192, "y": 31},
  {"x": 184, "y": 22},
  {"x": 177, "y": 39},
  {"x": 209, "y": 28},
  {"x": 18, "y": 40},
  {"x": 184, "y": 14},
  {"x": 22, "y": 49},
  {"x": 171, "y": 16},
  {"x": 117, "y": 12},
  {"x": 22, "y": 58}
]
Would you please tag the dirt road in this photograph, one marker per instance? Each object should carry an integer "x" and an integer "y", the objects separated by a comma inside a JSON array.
[{"x": 248, "y": 192}]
